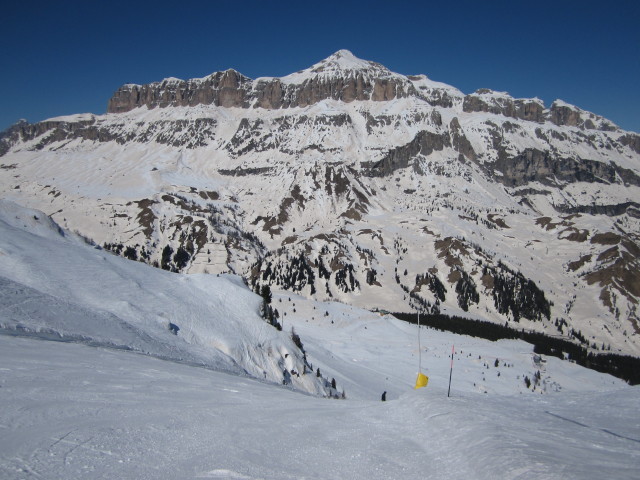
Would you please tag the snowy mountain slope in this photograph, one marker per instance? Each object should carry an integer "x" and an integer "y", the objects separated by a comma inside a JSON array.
[
  {"x": 57, "y": 286},
  {"x": 71, "y": 411},
  {"x": 75, "y": 409},
  {"x": 334, "y": 181},
  {"x": 368, "y": 353}
]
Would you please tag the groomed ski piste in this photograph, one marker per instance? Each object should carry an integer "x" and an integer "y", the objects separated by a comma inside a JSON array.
[{"x": 93, "y": 384}]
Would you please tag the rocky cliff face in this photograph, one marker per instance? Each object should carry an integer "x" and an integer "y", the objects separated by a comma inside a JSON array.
[
  {"x": 485, "y": 100},
  {"x": 561, "y": 113},
  {"x": 341, "y": 77},
  {"x": 346, "y": 181},
  {"x": 222, "y": 89}
]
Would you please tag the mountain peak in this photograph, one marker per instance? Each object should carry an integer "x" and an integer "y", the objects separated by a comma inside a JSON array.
[{"x": 344, "y": 61}]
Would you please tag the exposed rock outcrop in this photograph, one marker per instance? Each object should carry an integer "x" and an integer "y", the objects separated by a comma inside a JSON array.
[
  {"x": 189, "y": 134},
  {"x": 562, "y": 113},
  {"x": 499, "y": 103},
  {"x": 225, "y": 89},
  {"x": 424, "y": 143},
  {"x": 231, "y": 89},
  {"x": 631, "y": 140},
  {"x": 534, "y": 165}
]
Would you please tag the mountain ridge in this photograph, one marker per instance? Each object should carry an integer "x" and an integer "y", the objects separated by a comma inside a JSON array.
[
  {"x": 361, "y": 80},
  {"x": 385, "y": 191}
]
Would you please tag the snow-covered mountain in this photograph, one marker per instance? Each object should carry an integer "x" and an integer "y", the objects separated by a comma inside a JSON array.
[
  {"x": 349, "y": 182},
  {"x": 119, "y": 395}
]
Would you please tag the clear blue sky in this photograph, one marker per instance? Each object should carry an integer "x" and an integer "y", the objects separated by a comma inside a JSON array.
[{"x": 65, "y": 57}]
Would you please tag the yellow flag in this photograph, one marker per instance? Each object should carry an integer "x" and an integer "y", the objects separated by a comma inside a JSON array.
[{"x": 422, "y": 380}]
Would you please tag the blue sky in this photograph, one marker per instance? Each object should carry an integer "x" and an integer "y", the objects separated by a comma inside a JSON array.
[{"x": 65, "y": 57}]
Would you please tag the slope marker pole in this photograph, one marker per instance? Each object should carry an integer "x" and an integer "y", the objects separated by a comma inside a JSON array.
[
  {"x": 419, "y": 347},
  {"x": 451, "y": 370}
]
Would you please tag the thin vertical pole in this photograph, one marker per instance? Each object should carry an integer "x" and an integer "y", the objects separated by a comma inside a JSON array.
[
  {"x": 419, "y": 347},
  {"x": 451, "y": 370}
]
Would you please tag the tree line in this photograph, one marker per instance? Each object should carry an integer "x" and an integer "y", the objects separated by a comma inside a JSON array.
[{"x": 622, "y": 366}]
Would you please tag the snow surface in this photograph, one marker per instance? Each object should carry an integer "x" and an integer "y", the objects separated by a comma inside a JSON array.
[
  {"x": 561, "y": 103},
  {"x": 118, "y": 396},
  {"x": 71, "y": 411}
]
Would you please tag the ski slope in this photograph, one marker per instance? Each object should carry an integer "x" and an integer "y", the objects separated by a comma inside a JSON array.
[
  {"x": 118, "y": 396},
  {"x": 72, "y": 411}
]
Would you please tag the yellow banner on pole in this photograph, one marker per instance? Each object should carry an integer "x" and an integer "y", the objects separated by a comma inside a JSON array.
[{"x": 421, "y": 381}]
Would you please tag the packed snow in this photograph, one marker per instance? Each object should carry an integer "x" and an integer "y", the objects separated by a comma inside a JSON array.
[{"x": 117, "y": 395}]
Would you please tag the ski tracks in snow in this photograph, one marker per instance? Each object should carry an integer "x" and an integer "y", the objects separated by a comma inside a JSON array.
[{"x": 604, "y": 430}]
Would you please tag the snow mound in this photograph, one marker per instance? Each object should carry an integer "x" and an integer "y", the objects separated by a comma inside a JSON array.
[{"x": 66, "y": 289}]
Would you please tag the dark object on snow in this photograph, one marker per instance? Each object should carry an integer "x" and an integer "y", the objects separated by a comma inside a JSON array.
[
  {"x": 173, "y": 328},
  {"x": 384, "y": 396}
]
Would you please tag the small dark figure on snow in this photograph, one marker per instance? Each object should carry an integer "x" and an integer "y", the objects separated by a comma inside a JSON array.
[
  {"x": 384, "y": 396},
  {"x": 173, "y": 328}
]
